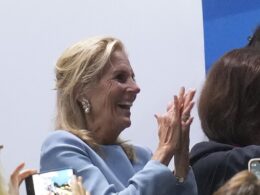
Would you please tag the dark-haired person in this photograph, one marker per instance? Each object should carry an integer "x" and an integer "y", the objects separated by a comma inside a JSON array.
[
  {"x": 229, "y": 110},
  {"x": 254, "y": 40},
  {"x": 96, "y": 89}
]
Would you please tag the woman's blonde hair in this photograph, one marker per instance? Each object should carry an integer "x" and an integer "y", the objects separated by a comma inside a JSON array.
[
  {"x": 80, "y": 67},
  {"x": 3, "y": 186},
  {"x": 3, "y": 189},
  {"x": 243, "y": 183}
]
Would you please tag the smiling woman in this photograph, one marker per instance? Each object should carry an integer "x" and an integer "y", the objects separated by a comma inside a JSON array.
[
  {"x": 111, "y": 99},
  {"x": 95, "y": 92}
]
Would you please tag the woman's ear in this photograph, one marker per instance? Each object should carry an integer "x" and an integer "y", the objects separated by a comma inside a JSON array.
[
  {"x": 80, "y": 93},
  {"x": 82, "y": 97},
  {"x": 79, "y": 97},
  {"x": 83, "y": 92}
]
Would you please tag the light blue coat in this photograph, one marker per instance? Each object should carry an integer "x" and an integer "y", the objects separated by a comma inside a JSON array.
[{"x": 113, "y": 173}]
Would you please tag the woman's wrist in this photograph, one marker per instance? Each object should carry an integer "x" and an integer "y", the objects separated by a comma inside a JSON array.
[
  {"x": 181, "y": 172},
  {"x": 181, "y": 164},
  {"x": 180, "y": 179},
  {"x": 163, "y": 155},
  {"x": 181, "y": 175}
]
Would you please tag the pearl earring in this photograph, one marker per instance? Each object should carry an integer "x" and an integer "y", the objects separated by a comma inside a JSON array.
[{"x": 86, "y": 105}]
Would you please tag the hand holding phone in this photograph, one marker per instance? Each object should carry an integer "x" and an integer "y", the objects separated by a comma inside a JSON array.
[{"x": 17, "y": 177}]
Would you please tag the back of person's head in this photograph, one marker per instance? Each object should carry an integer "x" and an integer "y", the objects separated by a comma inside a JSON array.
[
  {"x": 229, "y": 104},
  {"x": 254, "y": 40},
  {"x": 243, "y": 183}
]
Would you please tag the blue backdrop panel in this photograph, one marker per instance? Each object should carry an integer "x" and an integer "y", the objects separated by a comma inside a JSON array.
[{"x": 227, "y": 25}]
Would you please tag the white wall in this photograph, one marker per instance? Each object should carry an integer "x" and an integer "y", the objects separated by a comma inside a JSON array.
[{"x": 164, "y": 40}]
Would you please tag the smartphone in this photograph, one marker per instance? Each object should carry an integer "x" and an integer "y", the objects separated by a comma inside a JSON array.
[
  {"x": 254, "y": 166},
  {"x": 57, "y": 182}
]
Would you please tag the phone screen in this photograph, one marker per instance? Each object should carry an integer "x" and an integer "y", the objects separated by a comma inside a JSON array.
[
  {"x": 254, "y": 167},
  {"x": 50, "y": 183}
]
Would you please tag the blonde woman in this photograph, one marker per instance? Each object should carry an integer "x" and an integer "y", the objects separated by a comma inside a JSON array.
[{"x": 96, "y": 89}]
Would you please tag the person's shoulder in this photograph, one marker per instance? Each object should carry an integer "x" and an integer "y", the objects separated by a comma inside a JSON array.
[
  {"x": 210, "y": 147},
  {"x": 59, "y": 137},
  {"x": 209, "y": 151},
  {"x": 255, "y": 148},
  {"x": 222, "y": 156},
  {"x": 243, "y": 154}
]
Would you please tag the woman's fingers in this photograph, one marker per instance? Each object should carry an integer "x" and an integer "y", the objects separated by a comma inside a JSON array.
[
  {"x": 186, "y": 132},
  {"x": 185, "y": 115},
  {"x": 189, "y": 97},
  {"x": 169, "y": 125},
  {"x": 81, "y": 188},
  {"x": 17, "y": 171},
  {"x": 188, "y": 105},
  {"x": 172, "y": 105},
  {"x": 17, "y": 177},
  {"x": 186, "y": 121},
  {"x": 181, "y": 96},
  {"x": 24, "y": 174},
  {"x": 77, "y": 186},
  {"x": 74, "y": 185}
]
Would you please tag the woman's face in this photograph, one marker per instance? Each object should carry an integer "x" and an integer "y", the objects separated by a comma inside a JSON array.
[{"x": 113, "y": 96}]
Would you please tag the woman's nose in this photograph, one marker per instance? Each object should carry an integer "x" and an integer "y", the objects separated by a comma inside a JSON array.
[{"x": 133, "y": 87}]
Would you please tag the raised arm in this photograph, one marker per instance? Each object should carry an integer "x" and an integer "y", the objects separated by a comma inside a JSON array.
[{"x": 181, "y": 158}]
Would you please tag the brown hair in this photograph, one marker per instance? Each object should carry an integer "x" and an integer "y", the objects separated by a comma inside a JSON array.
[
  {"x": 243, "y": 183},
  {"x": 254, "y": 40},
  {"x": 79, "y": 67},
  {"x": 229, "y": 104}
]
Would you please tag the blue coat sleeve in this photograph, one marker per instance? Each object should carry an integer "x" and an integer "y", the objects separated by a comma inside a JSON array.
[{"x": 64, "y": 150}]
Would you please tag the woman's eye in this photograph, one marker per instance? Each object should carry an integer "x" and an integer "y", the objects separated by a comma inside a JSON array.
[
  {"x": 121, "y": 78},
  {"x": 133, "y": 77}
]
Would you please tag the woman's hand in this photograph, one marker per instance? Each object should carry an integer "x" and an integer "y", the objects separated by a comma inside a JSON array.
[
  {"x": 169, "y": 132},
  {"x": 181, "y": 157},
  {"x": 77, "y": 187},
  {"x": 17, "y": 178}
]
